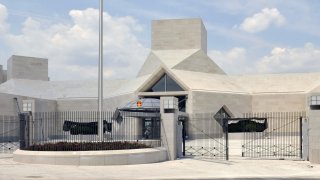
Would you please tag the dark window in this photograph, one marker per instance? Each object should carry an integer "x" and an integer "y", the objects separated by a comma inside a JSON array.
[
  {"x": 165, "y": 83},
  {"x": 159, "y": 86},
  {"x": 151, "y": 128},
  {"x": 172, "y": 85},
  {"x": 108, "y": 127},
  {"x": 315, "y": 107}
]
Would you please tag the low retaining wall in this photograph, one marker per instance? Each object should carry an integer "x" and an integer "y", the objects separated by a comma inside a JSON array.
[{"x": 92, "y": 158}]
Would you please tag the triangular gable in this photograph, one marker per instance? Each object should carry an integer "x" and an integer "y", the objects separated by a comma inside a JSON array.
[
  {"x": 156, "y": 76},
  {"x": 170, "y": 58},
  {"x": 152, "y": 63},
  {"x": 164, "y": 58},
  {"x": 199, "y": 62},
  {"x": 164, "y": 84}
]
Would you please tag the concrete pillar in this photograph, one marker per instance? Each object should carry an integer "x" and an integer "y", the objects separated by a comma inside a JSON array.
[
  {"x": 305, "y": 139},
  {"x": 314, "y": 136},
  {"x": 169, "y": 125},
  {"x": 179, "y": 140}
]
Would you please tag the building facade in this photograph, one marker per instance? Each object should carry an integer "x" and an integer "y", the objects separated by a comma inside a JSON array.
[{"x": 177, "y": 65}]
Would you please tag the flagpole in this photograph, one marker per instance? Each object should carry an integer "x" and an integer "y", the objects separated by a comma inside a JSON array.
[{"x": 100, "y": 73}]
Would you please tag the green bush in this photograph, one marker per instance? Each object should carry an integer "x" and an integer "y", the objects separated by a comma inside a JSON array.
[{"x": 86, "y": 146}]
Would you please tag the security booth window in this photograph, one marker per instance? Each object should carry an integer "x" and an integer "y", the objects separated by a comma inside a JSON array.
[{"x": 151, "y": 128}]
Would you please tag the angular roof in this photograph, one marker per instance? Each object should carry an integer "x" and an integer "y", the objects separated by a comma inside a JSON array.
[
  {"x": 187, "y": 59},
  {"x": 207, "y": 81},
  {"x": 278, "y": 83},
  {"x": 249, "y": 84},
  {"x": 69, "y": 89}
]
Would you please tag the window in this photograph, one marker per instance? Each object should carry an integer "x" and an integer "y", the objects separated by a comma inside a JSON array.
[
  {"x": 314, "y": 102},
  {"x": 165, "y": 83},
  {"x": 151, "y": 128},
  {"x": 27, "y": 106}
]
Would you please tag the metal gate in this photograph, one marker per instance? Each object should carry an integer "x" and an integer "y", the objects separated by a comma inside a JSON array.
[
  {"x": 9, "y": 133},
  {"x": 276, "y": 135},
  {"x": 205, "y": 137}
]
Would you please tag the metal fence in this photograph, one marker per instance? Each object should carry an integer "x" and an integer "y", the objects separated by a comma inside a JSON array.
[
  {"x": 278, "y": 136},
  {"x": 205, "y": 137},
  {"x": 9, "y": 133},
  {"x": 119, "y": 129}
]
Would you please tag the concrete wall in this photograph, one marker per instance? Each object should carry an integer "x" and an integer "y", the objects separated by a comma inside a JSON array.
[
  {"x": 1, "y": 74},
  {"x": 93, "y": 158},
  {"x": 109, "y": 104},
  {"x": 20, "y": 67},
  {"x": 8, "y": 105},
  {"x": 211, "y": 102},
  {"x": 202, "y": 106},
  {"x": 313, "y": 130},
  {"x": 314, "y": 136},
  {"x": 4, "y": 76},
  {"x": 178, "y": 34},
  {"x": 42, "y": 105},
  {"x": 278, "y": 102}
]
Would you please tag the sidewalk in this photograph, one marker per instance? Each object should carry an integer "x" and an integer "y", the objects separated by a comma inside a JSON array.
[{"x": 236, "y": 168}]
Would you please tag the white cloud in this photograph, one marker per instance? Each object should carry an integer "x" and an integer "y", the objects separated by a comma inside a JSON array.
[
  {"x": 72, "y": 48},
  {"x": 231, "y": 60},
  {"x": 262, "y": 20},
  {"x": 3, "y": 17},
  {"x": 304, "y": 59}
]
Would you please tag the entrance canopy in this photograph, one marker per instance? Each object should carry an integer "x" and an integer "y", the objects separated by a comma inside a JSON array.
[{"x": 143, "y": 105}]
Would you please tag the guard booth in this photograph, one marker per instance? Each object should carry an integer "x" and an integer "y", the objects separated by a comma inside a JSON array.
[{"x": 163, "y": 113}]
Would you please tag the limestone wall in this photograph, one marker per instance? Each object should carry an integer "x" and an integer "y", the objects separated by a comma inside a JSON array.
[
  {"x": 211, "y": 102},
  {"x": 278, "y": 102},
  {"x": 178, "y": 34},
  {"x": 20, "y": 67},
  {"x": 314, "y": 134},
  {"x": 202, "y": 106},
  {"x": 8, "y": 104},
  {"x": 109, "y": 104}
]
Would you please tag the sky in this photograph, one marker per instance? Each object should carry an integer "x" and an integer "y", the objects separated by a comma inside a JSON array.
[{"x": 244, "y": 36}]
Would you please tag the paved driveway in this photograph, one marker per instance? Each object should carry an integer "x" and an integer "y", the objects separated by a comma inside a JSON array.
[{"x": 236, "y": 168}]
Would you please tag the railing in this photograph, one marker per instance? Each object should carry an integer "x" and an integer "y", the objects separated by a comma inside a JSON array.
[
  {"x": 281, "y": 136},
  {"x": 9, "y": 133},
  {"x": 70, "y": 131},
  {"x": 205, "y": 137}
]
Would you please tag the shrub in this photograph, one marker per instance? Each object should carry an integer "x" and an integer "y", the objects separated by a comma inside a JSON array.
[{"x": 86, "y": 146}]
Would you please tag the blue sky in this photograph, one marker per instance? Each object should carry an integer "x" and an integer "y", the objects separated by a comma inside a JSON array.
[{"x": 244, "y": 36}]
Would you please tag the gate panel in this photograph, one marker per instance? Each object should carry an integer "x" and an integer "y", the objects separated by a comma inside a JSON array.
[
  {"x": 205, "y": 137},
  {"x": 280, "y": 137},
  {"x": 9, "y": 133}
]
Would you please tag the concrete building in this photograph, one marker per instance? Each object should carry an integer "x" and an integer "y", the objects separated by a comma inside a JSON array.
[{"x": 177, "y": 65}]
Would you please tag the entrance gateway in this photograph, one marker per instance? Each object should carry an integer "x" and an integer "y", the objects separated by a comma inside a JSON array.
[{"x": 273, "y": 135}]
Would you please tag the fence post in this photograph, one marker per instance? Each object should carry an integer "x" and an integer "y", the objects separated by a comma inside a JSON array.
[
  {"x": 225, "y": 125},
  {"x": 22, "y": 138},
  {"x": 183, "y": 138},
  {"x": 301, "y": 145}
]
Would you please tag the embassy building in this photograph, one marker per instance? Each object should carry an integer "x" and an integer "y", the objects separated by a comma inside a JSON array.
[{"x": 177, "y": 66}]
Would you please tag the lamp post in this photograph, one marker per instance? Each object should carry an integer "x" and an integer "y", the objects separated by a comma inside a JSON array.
[{"x": 100, "y": 73}]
